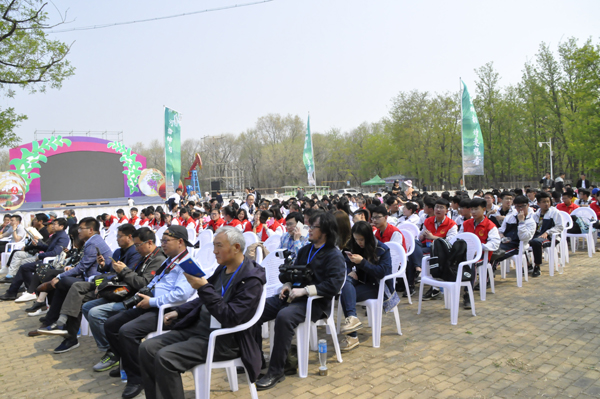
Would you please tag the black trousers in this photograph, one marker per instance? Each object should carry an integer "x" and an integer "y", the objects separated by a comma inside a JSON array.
[
  {"x": 36, "y": 281},
  {"x": 287, "y": 317},
  {"x": 58, "y": 297},
  {"x": 125, "y": 332},
  {"x": 24, "y": 275},
  {"x": 537, "y": 244},
  {"x": 164, "y": 358}
]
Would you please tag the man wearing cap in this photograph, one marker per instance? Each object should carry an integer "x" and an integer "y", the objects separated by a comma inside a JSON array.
[
  {"x": 27, "y": 254},
  {"x": 126, "y": 330}
]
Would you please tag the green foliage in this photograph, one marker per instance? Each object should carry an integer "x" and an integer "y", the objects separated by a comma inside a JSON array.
[
  {"x": 131, "y": 167},
  {"x": 28, "y": 58},
  {"x": 31, "y": 159}
]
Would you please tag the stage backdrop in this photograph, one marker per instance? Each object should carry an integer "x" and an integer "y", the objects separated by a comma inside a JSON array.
[{"x": 77, "y": 168}]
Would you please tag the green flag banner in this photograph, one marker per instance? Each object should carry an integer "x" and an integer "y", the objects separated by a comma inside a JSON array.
[
  {"x": 307, "y": 156},
  {"x": 172, "y": 150},
  {"x": 472, "y": 140}
]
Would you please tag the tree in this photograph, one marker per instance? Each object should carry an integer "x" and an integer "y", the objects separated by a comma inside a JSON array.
[{"x": 28, "y": 58}]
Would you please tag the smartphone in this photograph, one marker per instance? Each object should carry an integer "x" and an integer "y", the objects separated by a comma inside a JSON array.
[
  {"x": 98, "y": 251},
  {"x": 348, "y": 253},
  {"x": 112, "y": 260}
]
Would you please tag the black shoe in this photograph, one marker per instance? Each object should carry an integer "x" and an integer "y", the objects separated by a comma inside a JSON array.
[
  {"x": 466, "y": 302},
  {"x": 536, "y": 271},
  {"x": 8, "y": 297},
  {"x": 6, "y": 280},
  {"x": 132, "y": 390},
  {"x": 411, "y": 291},
  {"x": 268, "y": 382},
  {"x": 67, "y": 345},
  {"x": 43, "y": 319},
  {"x": 433, "y": 293},
  {"x": 115, "y": 373},
  {"x": 36, "y": 305}
]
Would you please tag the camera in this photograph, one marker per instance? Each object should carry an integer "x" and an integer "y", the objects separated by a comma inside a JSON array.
[
  {"x": 134, "y": 300},
  {"x": 299, "y": 275}
]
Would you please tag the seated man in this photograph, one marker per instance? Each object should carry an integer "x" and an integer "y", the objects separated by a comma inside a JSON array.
[
  {"x": 27, "y": 254},
  {"x": 288, "y": 309},
  {"x": 517, "y": 226},
  {"x": 57, "y": 243},
  {"x": 15, "y": 233},
  {"x": 69, "y": 320},
  {"x": 121, "y": 216},
  {"x": 584, "y": 197},
  {"x": 126, "y": 329},
  {"x": 87, "y": 267},
  {"x": 293, "y": 240},
  {"x": 486, "y": 231},
  {"x": 137, "y": 277},
  {"x": 134, "y": 220},
  {"x": 505, "y": 208},
  {"x": 228, "y": 298},
  {"x": 548, "y": 221}
]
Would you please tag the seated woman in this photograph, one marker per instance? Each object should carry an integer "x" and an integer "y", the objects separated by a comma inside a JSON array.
[{"x": 368, "y": 262}]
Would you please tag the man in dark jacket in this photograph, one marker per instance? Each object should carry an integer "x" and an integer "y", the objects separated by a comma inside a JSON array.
[
  {"x": 228, "y": 298},
  {"x": 57, "y": 243},
  {"x": 288, "y": 309},
  {"x": 583, "y": 182},
  {"x": 84, "y": 291}
]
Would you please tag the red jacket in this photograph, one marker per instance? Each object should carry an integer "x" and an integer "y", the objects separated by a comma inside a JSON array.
[
  {"x": 109, "y": 222},
  {"x": 264, "y": 235},
  {"x": 134, "y": 219},
  {"x": 594, "y": 206},
  {"x": 387, "y": 235},
  {"x": 443, "y": 228},
  {"x": 215, "y": 225},
  {"x": 564, "y": 208},
  {"x": 234, "y": 223},
  {"x": 124, "y": 220},
  {"x": 481, "y": 231}
]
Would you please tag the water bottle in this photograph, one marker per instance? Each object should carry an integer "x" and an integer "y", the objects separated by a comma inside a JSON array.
[
  {"x": 123, "y": 376},
  {"x": 79, "y": 333},
  {"x": 323, "y": 357}
]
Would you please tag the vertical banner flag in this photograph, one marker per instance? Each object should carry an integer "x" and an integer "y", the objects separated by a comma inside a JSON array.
[
  {"x": 472, "y": 140},
  {"x": 307, "y": 156},
  {"x": 172, "y": 150}
]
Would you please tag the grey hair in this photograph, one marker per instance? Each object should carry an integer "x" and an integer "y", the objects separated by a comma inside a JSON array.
[{"x": 234, "y": 236}]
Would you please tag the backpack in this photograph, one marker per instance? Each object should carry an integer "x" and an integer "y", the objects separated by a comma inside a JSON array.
[{"x": 446, "y": 257}]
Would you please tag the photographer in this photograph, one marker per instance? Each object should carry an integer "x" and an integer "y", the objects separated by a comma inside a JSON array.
[
  {"x": 126, "y": 330},
  {"x": 69, "y": 320},
  {"x": 136, "y": 277},
  {"x": 288, "y": 309},
  {"x": 229, "y": 297}
]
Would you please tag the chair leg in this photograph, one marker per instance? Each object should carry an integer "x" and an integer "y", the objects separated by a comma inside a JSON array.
[
  {"x": 490, "y": 272},
  {"x": 376, "y": 327},
  {"x": 482, "y": 284},
  {"x": 472, "y": 298},
  {"x": 420, "y": 297},
  {"x": 454, "y": 294},
  {"x": 590, "y": 245},
  {"x": 334, "y": 337},
  {"x": 519, "y": 267},
  {"x": 551, "y": 258},
  {"x": 302, "y": 337},
  {"x": 232, "y": 378},
  {"x": 397, "y": 317},
  {"x": 407, "y": 290}
]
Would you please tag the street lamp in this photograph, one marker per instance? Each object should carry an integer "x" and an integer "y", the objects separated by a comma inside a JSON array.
[{"x": 549, "y": 142}]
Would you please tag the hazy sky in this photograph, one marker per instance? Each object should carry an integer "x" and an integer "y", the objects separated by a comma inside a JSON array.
[{"x": 341, "y": 60}]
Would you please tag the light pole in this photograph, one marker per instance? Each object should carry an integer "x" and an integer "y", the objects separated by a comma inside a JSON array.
[{"x": 549, "y": 142}]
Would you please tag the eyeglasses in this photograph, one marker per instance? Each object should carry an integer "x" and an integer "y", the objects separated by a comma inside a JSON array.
[
  {"x": 314, "y": 227},
  {"x": 376, "y": 217},
  {"x": 164, "y": 240},
  {"x": 83, "y": 228},
  {"x": 440, "y": 207},
  {"x": 141, "y": 243}
]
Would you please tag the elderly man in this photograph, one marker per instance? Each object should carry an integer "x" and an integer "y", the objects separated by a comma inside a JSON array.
[
  {"x": 126, "y": 330},
  {"x": 228, "y": 298}
]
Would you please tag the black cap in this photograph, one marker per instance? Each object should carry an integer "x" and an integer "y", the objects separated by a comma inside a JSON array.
[{"x": 177, "y": 231}]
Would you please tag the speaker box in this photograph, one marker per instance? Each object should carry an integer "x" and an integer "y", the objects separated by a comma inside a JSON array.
[{"x": 215, "y": 186}]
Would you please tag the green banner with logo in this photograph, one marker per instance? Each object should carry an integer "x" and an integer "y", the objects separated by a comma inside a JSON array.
[
  {"x": 472, "y": 140},
  {"x": 172, "y": 150},
  {"x": 307, "y": 156}
]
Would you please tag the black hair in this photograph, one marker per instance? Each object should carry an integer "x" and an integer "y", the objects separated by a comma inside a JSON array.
[
  {"x": 144, "y": 234},
  {"x": 411, "y": 206},
  {"x": 569, "y": 193},
  {"x": 240, "y": 211},
  {"x": 276, "y": 212},
  {"x": 178, "y": 189},
  {"x": 264, "y": 215},
  {"x": 327, "y": 225},
  {"x": 369, "y": 252},
  {"x": 520, "y": 200},
  {"x": 229, "y": 211},
  {"x": 443, "y": 201},
  {"x": 556, "y": 196},
  {"x": 507, "y": 193},
  {"x": 446, "y": 195},
  {"x": 518, "y": 191},
  {"x": 297, "y": 216},
  {"x": 344, "y": 205},
  {"x": 542, "y": 194},
  {"x": 61, "y": 222},
  {"x": 133, "y": 208},
  {"x": 429, "y": 202},
  {"x": 380, "y": 209},
  {"x": 455, "y": 199},
  {"x": 42, "y": 217},
  {"x": 584, "y": 191},
  {"x": 365, "y": 212},
  {"x": 127, "y": 229},
  {"x": 91, "y": 223},
  {"x": 478, "y": 203},
  {"x": 7, "y": 216},
  {"x": 376, "y": 201},
  {"x": 466, "y": 203},
  {"x": 120, "y": 212}
]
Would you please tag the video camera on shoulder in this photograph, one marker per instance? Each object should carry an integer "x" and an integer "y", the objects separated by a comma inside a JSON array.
[{"x": 299, "y": 275}]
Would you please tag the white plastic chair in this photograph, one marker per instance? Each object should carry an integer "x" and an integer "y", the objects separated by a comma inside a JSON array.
[
  {"x": 161, "y": 315},
  {"x": 11, "y": 246},
  {"x": 273, "y": 242},
  {"x": 159, "y": 233},
  {"x": 564, "y": 249},
  {"x": 409, "y": 241},
  {"x": 551, "y": 252},
  {"x": 408, "y": 226},
  {"x": 452, "y": 288},
  {"x": 207, "y": 259},
  {"x": 271, "y": 264},
  {"x": 375, "y": 306},
  {"x": 517, "y": 257},
  {"x": 250, "y": 238},
  {"x": 202, "y": 372},
  {"x": 191, "y": 234},
  {"x": 485, "y": 269},
  {"x": 589, "y": 236},
  {"x": 206, "y": 237},
  {"x": 410, "y": 246}
]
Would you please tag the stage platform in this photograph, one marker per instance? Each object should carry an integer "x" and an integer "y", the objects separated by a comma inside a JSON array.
[{"x": 45, "y": 207}]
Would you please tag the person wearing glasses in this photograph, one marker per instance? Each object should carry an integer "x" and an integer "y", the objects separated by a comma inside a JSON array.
[
  {"x": 83, "y": 291},
  {"x": 294, "y": 238},
  {"x": 136, "y": 277},
  {"x": 288, "y": 308},
  {"x": 126, "y": 329}
]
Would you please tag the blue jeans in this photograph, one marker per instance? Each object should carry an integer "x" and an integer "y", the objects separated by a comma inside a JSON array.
[
  {"x": 97, "y": 312},
  {"x": 355, "y": 291}
]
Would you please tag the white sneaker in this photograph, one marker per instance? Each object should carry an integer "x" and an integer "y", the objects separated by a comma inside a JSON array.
[
  {"x": 39, "y": 312},
  {"x": 26, "y": 297}
]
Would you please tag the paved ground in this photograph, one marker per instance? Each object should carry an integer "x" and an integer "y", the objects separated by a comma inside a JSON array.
[{"x": 538, "y": 341}]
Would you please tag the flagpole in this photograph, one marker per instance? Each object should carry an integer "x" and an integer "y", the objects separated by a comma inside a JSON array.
[
  {"x": 462, "y": 142},
  {"x": 313, "y": 154}
]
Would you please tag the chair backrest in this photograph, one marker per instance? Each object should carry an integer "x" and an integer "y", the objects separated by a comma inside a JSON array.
[
  {"x": 585, "y": 212},
  {"x": 191, "y": 234},
  {"x": 271, "y": 264},
  {"x": 206, "y": 237},
  {"x": 566, "y": 219},
  {"x": 273, "y": 242},
  {"x": 206, "y": 257},
  {"x": 159, "y": 233},
  {"x": 409, "y": 241},
  {"x": 398, "y": 256},
  {"x": 408, "y": 226},
  {"x": 250, "y": 238},
  {"x": 474, "y": 249}
]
